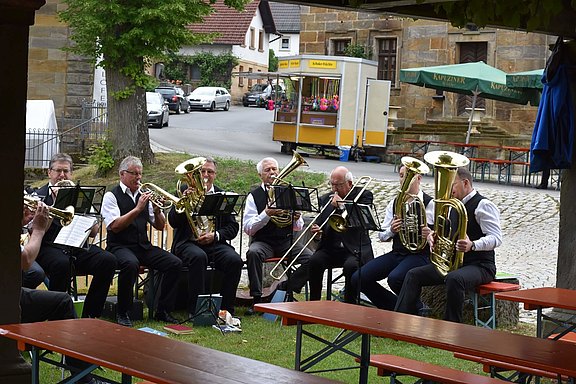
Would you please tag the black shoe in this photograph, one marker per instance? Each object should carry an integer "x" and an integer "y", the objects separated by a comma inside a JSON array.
[
  {"x": 166, "y": 317},
  {"x": 252, "y": 312},
  {"x": 283, "y": 286},
  {"x": 124, "y": 320}
]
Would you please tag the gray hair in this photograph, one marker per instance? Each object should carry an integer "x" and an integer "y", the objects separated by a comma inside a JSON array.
[
  {"x": 261, "y": 163},
  {"x": 464, "y": 173},
  {"x": 61, "y": 157},
  {"x": 128, "y": 162},
  {"x": 210, "y": 159}
]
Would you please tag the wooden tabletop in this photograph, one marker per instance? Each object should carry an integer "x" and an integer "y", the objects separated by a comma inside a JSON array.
[
  {"x": 533, "y": 352},
  {"x": 148, "y": 356},
  {"x": 547, "y": 297}
]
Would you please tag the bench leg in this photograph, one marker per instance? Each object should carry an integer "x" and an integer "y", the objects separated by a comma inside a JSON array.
[{"x": 490, "y": 304}]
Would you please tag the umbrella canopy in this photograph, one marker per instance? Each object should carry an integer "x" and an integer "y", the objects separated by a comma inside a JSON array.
[
  {"x": 527, "y": 79},
  {"x": 466, "y": 78}
]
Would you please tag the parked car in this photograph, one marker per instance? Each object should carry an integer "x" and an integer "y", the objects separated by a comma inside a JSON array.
[
  {"x": 257, "y": 95},
  {"x": 209, "y": 98},
  {"x": 175, "y": 97},
  {"x": 158, "y": 113}
]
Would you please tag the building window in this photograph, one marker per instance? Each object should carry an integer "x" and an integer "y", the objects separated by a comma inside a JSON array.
[
  {"x": 252, "y": 44},
  {"x": 285, "y": 43},
  {"x": 339, "y": 47},
  {"x": 387, "y": 59},
  {"x": 261, "y": 41},
  {"x": 241, "y": 78},
  {"x": 250, "y": 79}
]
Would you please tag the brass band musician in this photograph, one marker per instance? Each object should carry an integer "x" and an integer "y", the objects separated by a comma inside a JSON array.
[
  {"x": 210, "y": 246},
  {"x": 267, "y": 238},
  {"x": 395, "y": 264},
  {"x": 483, "y": 235},
  {"x": 348, "y": 249}
]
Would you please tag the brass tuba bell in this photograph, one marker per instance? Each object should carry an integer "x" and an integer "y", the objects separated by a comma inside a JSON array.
[
  {"x": 444, "y": 255},
  {"x": 410, "y": 208},
  {"x": 284, "y": 219}
]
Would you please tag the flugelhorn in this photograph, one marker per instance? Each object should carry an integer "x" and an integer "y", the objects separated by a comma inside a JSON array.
[
  {"x": 409, "y": 208},
  {"x": 159, "y": 197},
  {"x": 284, "y": 219},
  {"x": 64, "y": 215},
  {"x": 443, "y": 254},
  {"x": 365, "y": 180}
]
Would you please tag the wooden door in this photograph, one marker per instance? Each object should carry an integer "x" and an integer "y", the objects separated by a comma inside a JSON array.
[{"x": 469, "y": 53}]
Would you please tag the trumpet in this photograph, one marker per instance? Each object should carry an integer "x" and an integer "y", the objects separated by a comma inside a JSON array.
[
  {"x": 65, "y": 215},
  {"x": 159, "y": 197},
  {"x": 339, "y": 225}
]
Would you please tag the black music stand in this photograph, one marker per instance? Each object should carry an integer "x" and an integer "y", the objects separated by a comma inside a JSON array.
[
  {"x": 292, "y": 198},
  {"x": 215, "y": 204},
  {"x": 362, "y": 216}
]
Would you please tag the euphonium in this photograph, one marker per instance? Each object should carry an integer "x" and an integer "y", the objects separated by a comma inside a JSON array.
[
  {"x": 339, "y": 221},
  {"x": 444, "y": 255},
  {"x": 65, "y": 215},
  {"x": 190, "y": 173},
  {"x": 410, "y": 208},
  {"x": 285, "y": 218},
  {"x": 158, "y": 196}
]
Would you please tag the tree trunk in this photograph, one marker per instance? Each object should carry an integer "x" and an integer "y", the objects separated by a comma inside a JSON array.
[{"x": 127, "y": 119}]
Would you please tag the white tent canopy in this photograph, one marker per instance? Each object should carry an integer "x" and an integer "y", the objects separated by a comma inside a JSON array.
[{"x": 41, "y": 133}]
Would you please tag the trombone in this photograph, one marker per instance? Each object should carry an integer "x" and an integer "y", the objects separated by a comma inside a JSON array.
[{"x": 336, "y": 221}]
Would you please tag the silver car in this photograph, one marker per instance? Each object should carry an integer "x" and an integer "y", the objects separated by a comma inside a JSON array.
[
  {"x": 209, "y": 98},
  {"x": 158, "y": 112}
]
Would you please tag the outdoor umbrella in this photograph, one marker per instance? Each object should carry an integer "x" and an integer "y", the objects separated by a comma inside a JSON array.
[
  {"x": 527, "y": 79},
  {"x": 476, "y": 79}
]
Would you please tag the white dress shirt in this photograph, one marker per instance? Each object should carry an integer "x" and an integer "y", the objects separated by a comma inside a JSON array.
[{"x": 111, "y": 211}]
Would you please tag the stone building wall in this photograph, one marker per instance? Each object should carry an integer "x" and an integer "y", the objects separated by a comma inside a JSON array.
[
  {"x": 53, "y": 73},
  {"x": 426, "y": 43}
]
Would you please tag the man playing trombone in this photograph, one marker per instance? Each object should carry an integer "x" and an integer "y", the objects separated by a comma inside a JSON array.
[
  {"x": 267, "y": 238},
  {"x": 349, "y": 248},
  {"x": 126, "y": 213},
  {"x": 403, "y": 257}
]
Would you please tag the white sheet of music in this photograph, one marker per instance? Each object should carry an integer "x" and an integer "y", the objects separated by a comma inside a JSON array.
[{"x": 76, "y": 233}]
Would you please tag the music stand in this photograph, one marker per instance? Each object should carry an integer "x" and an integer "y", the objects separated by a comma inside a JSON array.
[
  {"x": 84, "y": 199},
  {"x": 292, "y": 198},
  {"x": 365, "y": 217},
  {"x": 214, "y": 204}
]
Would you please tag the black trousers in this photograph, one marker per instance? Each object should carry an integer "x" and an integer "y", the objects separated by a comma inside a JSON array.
[
  {"x": 458, "y": 282},
  {"x": 94, "y": 261},
  {"x": 325, "y": 258},
  {"x": 197, "y": 258},
  {"x": 129, "y": 261},
  {"x": 38, "y": 305}
]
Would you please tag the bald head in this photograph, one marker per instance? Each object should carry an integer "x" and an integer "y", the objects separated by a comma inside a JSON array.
[{"x": 341, "y": 181}]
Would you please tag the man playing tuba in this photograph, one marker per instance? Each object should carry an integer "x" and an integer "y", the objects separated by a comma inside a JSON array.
[
  {"x": 395, "y": 264},
  {"x": 483, "y": 235},
  {"x": 267, "y": 238}
]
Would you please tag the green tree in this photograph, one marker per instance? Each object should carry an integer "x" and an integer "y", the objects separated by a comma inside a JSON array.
[
  {"x": 215, "y": 70},
  {"x": 127, "y": 36},
  {"x": 272, "y": 61},
  {"x": 358, "y": 50}
]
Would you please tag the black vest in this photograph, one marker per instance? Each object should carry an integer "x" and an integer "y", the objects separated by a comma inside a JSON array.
[
  {"x": 474, "y": 232},
  {"x": 55, "y": 227},
  {"x": 136, "y": 233},
  {"x": 270, "y": 233},
  {"x": 397, "y": 245}
]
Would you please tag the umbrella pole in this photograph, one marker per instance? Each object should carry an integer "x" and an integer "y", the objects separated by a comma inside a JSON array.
[{"x": 474, "y": 97}]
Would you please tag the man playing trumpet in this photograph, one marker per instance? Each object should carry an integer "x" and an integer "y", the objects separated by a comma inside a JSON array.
[
  {"x": 395, "y": 264},
  {"x": 483, "y": 235}
]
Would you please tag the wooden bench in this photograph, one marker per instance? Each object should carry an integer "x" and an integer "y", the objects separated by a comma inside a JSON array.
[
  {"x": 570, "y": 337},
  {"x": 496, "y": 368},
  {"x": 393, "y": 366},
  {"x": 481, "y": 302}
]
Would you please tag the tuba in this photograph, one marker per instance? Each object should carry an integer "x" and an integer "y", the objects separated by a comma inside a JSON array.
[
  {"x": 284, "y": 219},
  {"x": 190, "y": 173},
  {"x": 444, "y": 255},
  {"x": 410, "y": 208}
]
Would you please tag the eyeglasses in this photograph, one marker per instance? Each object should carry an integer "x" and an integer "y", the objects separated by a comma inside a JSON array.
[
  {"x": 208, "y": 171},
  {"x": 64, "y": 171},
  {"x": 336, "y": 185},
  {"x": 133, "y": 173}
]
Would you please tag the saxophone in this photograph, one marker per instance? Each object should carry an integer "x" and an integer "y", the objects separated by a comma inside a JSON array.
[
  {"x": 410, "y": 208},
  {"x": 444, "y": 255},
  {"x": 190, "y": 173}
]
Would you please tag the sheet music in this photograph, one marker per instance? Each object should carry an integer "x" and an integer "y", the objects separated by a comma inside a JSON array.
[{"x": 76, "y": 233}]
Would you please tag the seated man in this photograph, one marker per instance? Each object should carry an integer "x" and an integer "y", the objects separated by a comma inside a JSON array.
[
  {"x": 349, "y": 249},
  {"x": 55, "y": 259},
  {"x": 483, "y": 235},
  {"x": 126, "y": 213},
  {"x": 395, "y": 264},
  {"x": 197, "y": 253},
  {"x": 268, "y": 238}
]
